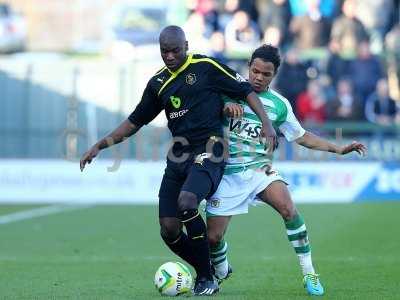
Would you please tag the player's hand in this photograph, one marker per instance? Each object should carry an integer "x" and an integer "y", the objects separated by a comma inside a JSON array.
[
  {"x": 88, "y": 156},
  {"x": 268, "y": 137},
  {"x": 233, "y": 110},
  {"x": 354, "y": 146}
]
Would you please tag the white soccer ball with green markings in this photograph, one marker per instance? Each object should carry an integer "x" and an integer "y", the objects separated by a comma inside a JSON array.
[{"x": 173, "y": 279}]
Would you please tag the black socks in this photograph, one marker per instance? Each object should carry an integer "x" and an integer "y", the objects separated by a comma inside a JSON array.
[{"x": 197, "y": 235}]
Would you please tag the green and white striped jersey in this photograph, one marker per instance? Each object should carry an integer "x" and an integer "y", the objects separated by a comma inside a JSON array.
[{"x": 245, "y": 150}]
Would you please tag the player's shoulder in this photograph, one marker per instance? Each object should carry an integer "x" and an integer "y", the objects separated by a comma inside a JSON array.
[
  {"x": 198, "y": 56},
  {"x": 159, "y": 78},
  {"x": 211, "y": 63},
  {"x": 201, "y": 57},
  {"x": 205, "y": 60},
  {"x": 274, "y": 95},
  {"x": 159, "y": 73}
]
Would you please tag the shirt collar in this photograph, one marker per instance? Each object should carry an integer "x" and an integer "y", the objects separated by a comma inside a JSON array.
[{"x": 184, "y": 66}]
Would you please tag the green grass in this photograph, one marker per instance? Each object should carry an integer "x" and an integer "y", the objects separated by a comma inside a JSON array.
[{"x": 112, "y": 252}]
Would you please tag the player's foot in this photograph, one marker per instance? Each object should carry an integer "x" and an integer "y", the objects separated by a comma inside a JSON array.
[
  {"x": 222, "y": 279},
  {"x": 313, "y": 285},
  {"x": 205, "y": 287}
]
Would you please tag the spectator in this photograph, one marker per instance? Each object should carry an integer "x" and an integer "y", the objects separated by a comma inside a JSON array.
[
  {"x": 311, "y": 104},
  {"x": 292, "y": 77},
  {"x": 365, "y": 71},
  {"x": 207, "y": 8},
  {"x": 232, "y": 6},
  {"x": 275, "y": 17},
  {"x": 392, "y": 45},
  {"x": 249, "y": 6},
  {"x": 241, "y": 34},
  {"x": 312, "y": 29},
  {"x": 330, "y": 9},
  {"x": 337, "y": 66},
  {"x": 346, "y": 106},
  {"x": 328, "y": 89},
  {"x": 217, "y": 45},
  {"x": 197, "y": 31},
  {"x": 376, "y": 17},
  {"x": 273, "y": 36},
  {"x": 347, "y": 31},
  {"x": 380, "y": 108},
  {"x": 327, "y": 7}
]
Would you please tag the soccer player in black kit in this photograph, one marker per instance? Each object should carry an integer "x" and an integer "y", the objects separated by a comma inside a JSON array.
[{"x": 189, "y": 89}]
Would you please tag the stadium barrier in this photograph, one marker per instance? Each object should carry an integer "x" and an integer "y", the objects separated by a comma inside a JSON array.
[{"x": 56, "y": 181}]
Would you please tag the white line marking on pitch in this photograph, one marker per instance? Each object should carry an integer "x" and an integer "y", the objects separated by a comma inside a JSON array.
[
  {"x": 85, "y": 258},
  {"x": 39, "y": 212}
]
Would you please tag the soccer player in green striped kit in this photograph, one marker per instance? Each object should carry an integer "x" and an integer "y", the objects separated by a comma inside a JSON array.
[{"x": 248, "y": 175}]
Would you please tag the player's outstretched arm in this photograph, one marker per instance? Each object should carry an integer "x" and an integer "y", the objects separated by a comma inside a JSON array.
[
  {"x": 267, "y": 131},
  {"x": 315, "y": 142},
  {"x": 123, "y": 131}
]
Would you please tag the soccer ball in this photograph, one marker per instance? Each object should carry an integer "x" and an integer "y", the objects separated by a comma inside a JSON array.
[{"x": 173, "y": 279}]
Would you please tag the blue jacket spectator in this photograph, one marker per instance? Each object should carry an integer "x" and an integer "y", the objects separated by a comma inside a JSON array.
[
  {"x": 328, "y": 8},
  {"x": 365, "y": 71},
  {"x": 380, "y": 108}
]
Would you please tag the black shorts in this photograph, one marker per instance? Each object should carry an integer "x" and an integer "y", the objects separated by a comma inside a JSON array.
[{"x": 201, "y": 179}]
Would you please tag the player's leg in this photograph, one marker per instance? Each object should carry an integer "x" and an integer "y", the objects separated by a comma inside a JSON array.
[
  {"x": 196, "y": 232},
  {"x": 277, "y": 195},
  {"x": 176, "y": 240},
  {"x": 197, "y": 235},
  {"x": 170, "y": 225},
  {"x": 233, "y": 196},
  {"x": 216, "y": 228},
  {"x": 202, "y": 180}
]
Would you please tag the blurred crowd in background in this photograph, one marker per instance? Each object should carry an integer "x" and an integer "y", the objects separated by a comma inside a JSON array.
[
  {"x": 72, "y": 69},
  {"x": 341, "y": 58}
]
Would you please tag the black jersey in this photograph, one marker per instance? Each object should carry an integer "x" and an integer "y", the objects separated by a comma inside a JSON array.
[{"x": 191, "y": 98}]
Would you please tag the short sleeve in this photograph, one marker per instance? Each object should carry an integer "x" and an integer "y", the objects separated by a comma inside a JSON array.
[
  {"x": 147, "y": 109},
  {"x": 291, "y": 128},
  {"x": 228, "y": 82}
]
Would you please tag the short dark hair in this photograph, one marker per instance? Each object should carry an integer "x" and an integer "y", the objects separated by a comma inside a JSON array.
[{"x": 267, "y": 53}]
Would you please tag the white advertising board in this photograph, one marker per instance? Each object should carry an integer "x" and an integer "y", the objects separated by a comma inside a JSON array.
[{"x": 55, "y": 181}]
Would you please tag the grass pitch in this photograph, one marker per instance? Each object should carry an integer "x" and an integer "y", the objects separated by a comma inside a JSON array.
[{"x": 112, "y": 252}]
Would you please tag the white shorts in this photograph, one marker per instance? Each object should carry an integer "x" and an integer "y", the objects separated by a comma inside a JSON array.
[{"x": 239, "y": 190}]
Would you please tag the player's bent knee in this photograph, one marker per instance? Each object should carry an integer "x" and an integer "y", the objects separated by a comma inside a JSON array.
[
  {"x": 169, "y": 230},
  {"x": 214, "y": 237},
  {"x": 187, "y": 201},
  {"x": 169, "y": 235},
  {"x": 288, "y": 213},
  {"x": 285, "y": 213}
]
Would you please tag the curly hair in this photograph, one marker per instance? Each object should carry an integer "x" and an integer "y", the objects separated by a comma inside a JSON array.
[{"x": 267, "y": 53}]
